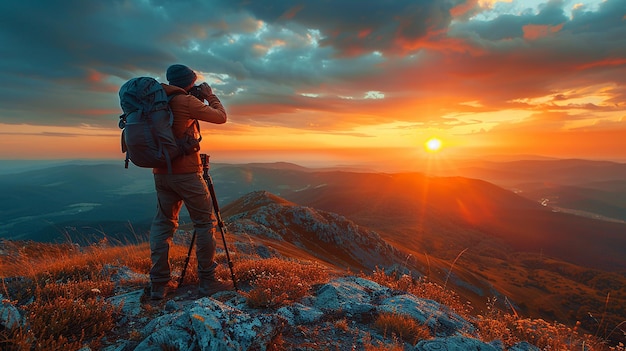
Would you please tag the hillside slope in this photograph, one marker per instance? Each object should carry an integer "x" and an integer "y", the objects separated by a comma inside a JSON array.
[{"x": 454, "y": 213}]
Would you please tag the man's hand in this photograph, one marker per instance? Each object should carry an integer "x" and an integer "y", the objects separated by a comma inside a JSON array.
[{"x": 206, "y": 89}]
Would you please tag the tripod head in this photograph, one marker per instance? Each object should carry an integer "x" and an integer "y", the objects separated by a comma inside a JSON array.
[{"x": 205, "y": 161}]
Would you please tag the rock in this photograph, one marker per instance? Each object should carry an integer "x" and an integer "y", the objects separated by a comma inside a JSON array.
[
  {"x": 210, "y": 325},
  {"x": 221, "y": 327},
  {"x": 120, "y": 346},
  {"x": 352, "y": 295},
  {"x": 297, "y": 314},
  {"x": 524, "y": 346},
  {"x": 438, "y": 317},
  {"x": 10, "y": 316},
  {"x": 170, "y": 331},
  {"x": 130, "y": 302},
  {"x": 453, "y": 343},
  {"x": 170, "y": 338}
]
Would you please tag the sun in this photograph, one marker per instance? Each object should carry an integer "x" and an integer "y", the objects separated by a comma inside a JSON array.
[{"x": 433, "y": 144}]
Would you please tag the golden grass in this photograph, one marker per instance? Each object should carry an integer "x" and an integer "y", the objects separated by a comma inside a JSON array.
[
  {"x": 494, "y": 324},
  {"x": 423, "y": 288},
  {"x": 401, "y": 326},
  {"x": 65, "y": 286},
  {"x": 368, "y": 345},
  {"x": 276, "y": 282}
]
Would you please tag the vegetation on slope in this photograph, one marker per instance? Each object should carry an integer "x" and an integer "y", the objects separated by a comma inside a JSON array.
[{"x": 61, "y": 290}]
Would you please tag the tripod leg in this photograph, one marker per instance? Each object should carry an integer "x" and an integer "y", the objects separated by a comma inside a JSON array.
[
  {"x": 220, "y": 223},
  {"x": 182, "y": 274}
]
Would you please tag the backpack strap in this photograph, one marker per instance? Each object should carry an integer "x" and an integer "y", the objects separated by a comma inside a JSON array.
[
  {"x": 195, "y": 121},
  {"x": 197, "y": 124}
]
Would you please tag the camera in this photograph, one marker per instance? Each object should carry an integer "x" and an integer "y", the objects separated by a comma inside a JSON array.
[{"x": 197, "y": 92}]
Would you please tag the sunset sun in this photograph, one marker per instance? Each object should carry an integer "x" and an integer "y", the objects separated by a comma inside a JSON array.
[{"x": 433, "y": 145}]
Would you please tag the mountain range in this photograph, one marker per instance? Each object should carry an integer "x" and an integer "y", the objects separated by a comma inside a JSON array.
[{"x": 546, "y": 236}]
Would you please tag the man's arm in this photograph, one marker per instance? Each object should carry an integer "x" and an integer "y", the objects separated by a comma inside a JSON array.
[{"x": 214, "y": 112}]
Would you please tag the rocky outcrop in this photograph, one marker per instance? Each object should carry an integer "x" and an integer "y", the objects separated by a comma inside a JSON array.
[
  {"x": 225, "y": 322},
  {"x": 327, "y": 236}
]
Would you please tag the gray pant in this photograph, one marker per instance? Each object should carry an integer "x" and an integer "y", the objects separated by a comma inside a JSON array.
[{"x": 172, "y": 191}]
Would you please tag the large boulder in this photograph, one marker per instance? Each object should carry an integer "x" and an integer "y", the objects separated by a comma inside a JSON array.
[{"x": 210, "y": 325}]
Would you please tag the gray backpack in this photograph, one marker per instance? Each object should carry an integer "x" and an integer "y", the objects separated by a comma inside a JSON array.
[{"x": 147, "y": 137}]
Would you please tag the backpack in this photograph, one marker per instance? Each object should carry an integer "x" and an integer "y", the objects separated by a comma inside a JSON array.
[{"x": 147, "y": 137}]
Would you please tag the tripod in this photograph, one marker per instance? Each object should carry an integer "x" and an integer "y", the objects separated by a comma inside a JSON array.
[{"x": 220, "y": 223}]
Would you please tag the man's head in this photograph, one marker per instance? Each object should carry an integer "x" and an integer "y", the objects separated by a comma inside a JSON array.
[{"x": 180, "y": 76}]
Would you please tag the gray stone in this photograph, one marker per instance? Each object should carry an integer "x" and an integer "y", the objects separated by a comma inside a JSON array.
[
  {"x": 524, "y": 346},
  {"x": 171, "y": 306},
  {"x": 297, "y": 314},
  {"x": 120, "y": 346},
  {"x": 177, "y": 320},
  {"x": 438, "y": 317},
  {"x": 221, "y": 327},
  {"x": 10, "y": 316},
  {"x": 167, "y": 339},
  {"x": 130, "y": 302},
  {"x": 453, "y": 343},
  {"x": 352, "y": 295}
]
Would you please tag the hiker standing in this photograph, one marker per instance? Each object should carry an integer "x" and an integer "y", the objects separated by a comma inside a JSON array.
[{"x": 184, "y": 184}]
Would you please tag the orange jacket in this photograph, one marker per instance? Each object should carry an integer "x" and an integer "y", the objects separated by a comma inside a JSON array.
[{"x": 186, "y": 108}]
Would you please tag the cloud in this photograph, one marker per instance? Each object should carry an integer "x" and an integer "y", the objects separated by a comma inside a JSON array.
[{"x": 325, "y": 66}]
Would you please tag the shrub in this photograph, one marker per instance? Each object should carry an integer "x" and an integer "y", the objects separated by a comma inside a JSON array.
[
  {"x": 403, "y": 327},
  {"x": 379, "y": 346},
  {"x": 76, "y": 290},
  {"x": 275, "y": 282},
  {"x": 511, "y": 329},
  {"x": 73, "y": 321}
]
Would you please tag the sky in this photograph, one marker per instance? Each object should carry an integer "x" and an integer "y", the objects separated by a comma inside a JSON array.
[{"x": 324, "y": 81}]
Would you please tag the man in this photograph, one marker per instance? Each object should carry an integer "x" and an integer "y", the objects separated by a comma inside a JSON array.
[{"x": 185, "y": 185}]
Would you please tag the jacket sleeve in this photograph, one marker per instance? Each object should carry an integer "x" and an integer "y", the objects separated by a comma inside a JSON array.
[{"x": 214, "y": 112}]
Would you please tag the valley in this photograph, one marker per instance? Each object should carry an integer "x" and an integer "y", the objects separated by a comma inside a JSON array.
[{"x": 476, "y": 237}]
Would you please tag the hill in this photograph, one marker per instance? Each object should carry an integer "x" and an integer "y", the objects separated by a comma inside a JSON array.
[
  {"x": 468, "y": 234},
  {"x": 587, "y": 188},
  {"x": 293, "y": 265}
]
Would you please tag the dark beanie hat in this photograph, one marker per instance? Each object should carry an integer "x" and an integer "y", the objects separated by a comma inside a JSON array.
[{"x": 180, "y": 75}]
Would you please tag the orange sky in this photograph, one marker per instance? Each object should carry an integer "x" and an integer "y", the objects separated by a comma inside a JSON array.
[{"x": 324, "y": 84}]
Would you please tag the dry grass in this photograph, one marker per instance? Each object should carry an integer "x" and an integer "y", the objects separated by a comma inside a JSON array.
[
  {"x": 66, "y": 286},
  {"x": 423, "y": 288},
  {"x": 403, "y": 327},
  {"x": 511, "y": 329},
  {"x": 395, "y": 345},
  {"x": 494, "y": 324},
  {"x": 276, "y": 282}
]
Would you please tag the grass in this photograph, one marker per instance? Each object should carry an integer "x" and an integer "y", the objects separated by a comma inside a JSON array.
[
  {"x": 495, "y": 324},
  {"x": 402, "y": 327},
  {"x": 61, "y": 290},
  {"x": 276, "y": 282}
]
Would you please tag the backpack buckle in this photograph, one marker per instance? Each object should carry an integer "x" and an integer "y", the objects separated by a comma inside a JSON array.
[{"x": 122, "y": 122}]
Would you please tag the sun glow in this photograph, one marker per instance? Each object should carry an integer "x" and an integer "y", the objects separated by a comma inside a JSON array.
[{"x": 433, "y": 145}]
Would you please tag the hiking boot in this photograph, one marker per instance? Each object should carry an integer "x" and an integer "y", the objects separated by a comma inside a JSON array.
[
  {"x": 158, "y": 291},
  {"x": 210, "y": 287}
]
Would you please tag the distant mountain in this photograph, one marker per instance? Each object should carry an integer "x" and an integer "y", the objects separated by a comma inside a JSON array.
[
  {"x": 583, "y": 187},
  {"x": 562, "y": 172},
  {"x": 602, "y": 200},
  {"x": 419, "y": 211},
  {"x": 75, "y": 200}
]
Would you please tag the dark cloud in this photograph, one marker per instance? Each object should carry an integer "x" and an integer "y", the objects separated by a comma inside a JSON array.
[
  {"x": 62, "y": 62},
  {"x": 354, "y": 27}
]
